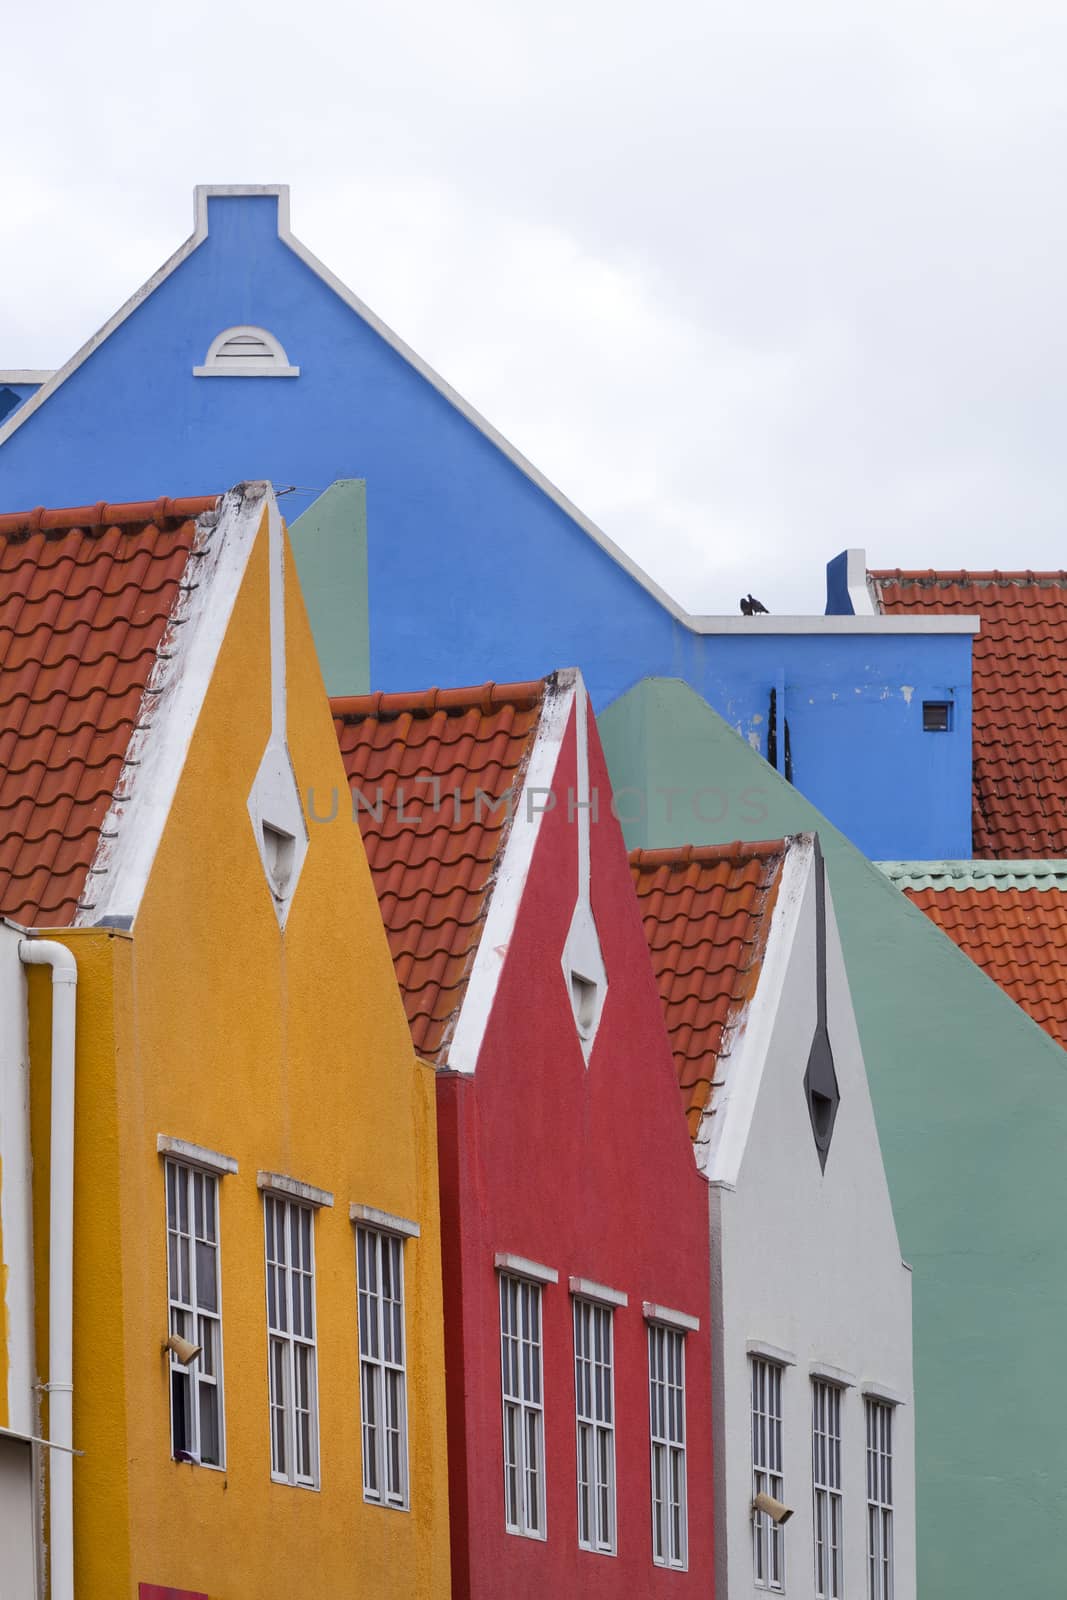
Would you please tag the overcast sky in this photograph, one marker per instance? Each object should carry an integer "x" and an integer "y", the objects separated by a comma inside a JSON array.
[{"x": 750, "y": 282}]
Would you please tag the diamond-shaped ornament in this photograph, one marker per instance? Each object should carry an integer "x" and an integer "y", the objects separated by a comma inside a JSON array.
[{"x": 278, "y": 824}]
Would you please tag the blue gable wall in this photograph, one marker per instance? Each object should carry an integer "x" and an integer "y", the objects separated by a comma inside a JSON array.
[{"x": 473, "y": 570}]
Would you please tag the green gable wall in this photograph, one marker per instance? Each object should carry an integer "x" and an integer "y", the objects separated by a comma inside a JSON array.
[
  {"x": 971, "y": 1101},
  {"x": 330, "y": 550}
]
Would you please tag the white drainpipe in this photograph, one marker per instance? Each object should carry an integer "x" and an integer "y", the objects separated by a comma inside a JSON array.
[{"x": 46, "y": 952}]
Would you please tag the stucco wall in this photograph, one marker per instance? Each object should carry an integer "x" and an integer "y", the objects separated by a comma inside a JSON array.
[
  {"x": 292, "y": 1054},
  {"x": 973, "y": 1151},
  {"x": 547, "y": 1158},
  {"x": 809, "y": 1263}
]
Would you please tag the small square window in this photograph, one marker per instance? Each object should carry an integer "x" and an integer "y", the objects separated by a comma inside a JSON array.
[{"x": 937, "y": 716}]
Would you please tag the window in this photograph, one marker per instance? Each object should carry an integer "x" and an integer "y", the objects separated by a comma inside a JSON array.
[
  {"x": 768, "y": 1538},
  {"x": 382, "y": 1374},
  {"x": 826, "y": 1481},
  {"x": 594, "y": 1389},
  {"x": 666, "y": 1392},
  {"x": 879, "y": 1500},
  {"x": 195, "y": 1313},
  {"x": 524, "y": 1433},
  {"x": 290, "y": 1247},
  {"x": 937, "y": 716}
]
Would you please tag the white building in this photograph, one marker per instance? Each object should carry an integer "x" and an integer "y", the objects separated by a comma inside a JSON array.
[{"x": 811, "y": 1302}]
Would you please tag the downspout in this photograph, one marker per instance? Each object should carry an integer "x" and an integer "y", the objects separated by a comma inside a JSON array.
[{"x": 60, "y": 1388}]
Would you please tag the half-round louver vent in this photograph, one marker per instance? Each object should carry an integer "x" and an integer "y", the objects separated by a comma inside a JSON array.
[{"x": 246, "y": 353}]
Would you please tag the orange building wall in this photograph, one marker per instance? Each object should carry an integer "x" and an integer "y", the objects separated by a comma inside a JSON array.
[{"x": 291, "y": 1053}]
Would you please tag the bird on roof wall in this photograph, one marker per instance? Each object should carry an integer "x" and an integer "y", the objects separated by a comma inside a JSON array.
[{"x": 751, "y": 607}]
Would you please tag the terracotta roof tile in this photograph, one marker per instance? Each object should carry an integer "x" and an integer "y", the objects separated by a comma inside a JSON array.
[
  {"x": 85, "y": 597},
  {"x": 433, "y": 857},
  {"x": 1020, "y": 699},
  {"x": 1010, "y": 918},
  {"x": 707, "y": 913}
]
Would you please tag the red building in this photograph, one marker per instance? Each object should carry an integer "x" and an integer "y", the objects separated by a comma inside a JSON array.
[{"x": 575, "y": 1224}]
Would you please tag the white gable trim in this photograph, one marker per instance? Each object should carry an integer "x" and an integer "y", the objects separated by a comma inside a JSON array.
[
  {"x": 724, "y": 1126},
  {"x": 26, "y": 374},
  {"x": 27, "y": 409},
  {"x": 155, "y": 756},
  {"x": 505, "y": 893}
]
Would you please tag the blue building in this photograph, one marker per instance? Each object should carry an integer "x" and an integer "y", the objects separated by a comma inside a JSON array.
[{"x": 244, "y": 357}]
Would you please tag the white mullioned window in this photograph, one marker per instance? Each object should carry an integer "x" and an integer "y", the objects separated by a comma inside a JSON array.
[
  {"x": 879, "y": 1499},
  {"x": 194, "y": 1292},
  {"x": 524, "y": 1420},
  {"x": 768, "y": 1538},
  {"x": 594, "y": 1391},
  {"x": 826, "y": 1488},
  {"x": 291, "y": 1356},
  {"x": 666, "y": 1394},
  {"x": 382, "y": 1366}
]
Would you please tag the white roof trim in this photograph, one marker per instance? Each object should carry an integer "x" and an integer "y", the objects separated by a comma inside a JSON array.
[
  {"x": 523, "y": 1267},
  {"x": 587, "y": 1289},
  {"x": 27, "y": 375},
  {"x": 195, "y": 1155},
  {"x": 724, "y": 1126},
  {"x": 293, "y": 1188},
  {"x": 60, "y": 376},
  {"x": 133, "y": 827},
  {"x": 385, "y": 1221},
  {"x": 506, "y": 891},
  {"x": 836, "y": 623},
  {"x": 770, "y": 1352},
  {"x": 858, "y": 584},
  {"x": 667, "y": 1318}
]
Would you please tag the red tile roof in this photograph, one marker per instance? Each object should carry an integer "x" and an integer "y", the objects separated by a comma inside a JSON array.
[
  {"x": 85, "y": 595},
  {"x": 1020, "y": 699},
  {"x": 433, "y": 856},
  {"x": 1011, "y": 919},
  {"x": 707, "y": 913}
]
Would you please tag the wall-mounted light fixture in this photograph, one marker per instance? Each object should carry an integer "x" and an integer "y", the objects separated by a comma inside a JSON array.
[
  {"x": 772, "y": 1508},
  {"x": 180, "y": 1347}
]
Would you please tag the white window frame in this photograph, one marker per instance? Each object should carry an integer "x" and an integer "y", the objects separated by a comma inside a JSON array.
[
  {"x": 878, "y": 1416},
  {"x": 292, "y": 1357},
  {"x": 199, "y": 1324},
  {"x": 594, "y": 1407},
  {"x": 826, "y": 1481},
  {"x": 383, "y": 1378},
  {"x": 522, "y": 1399},
  {"x": 667, "y": 1445},
  {"x": 766, "y": 1379}
]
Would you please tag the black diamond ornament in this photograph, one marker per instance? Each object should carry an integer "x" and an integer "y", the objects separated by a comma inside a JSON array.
[
  {"x": 820, "y": 1080},
  {"x": 823, "y": 1094}
]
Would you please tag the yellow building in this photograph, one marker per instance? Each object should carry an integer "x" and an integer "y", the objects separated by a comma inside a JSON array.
[{"x": 254, "y": 1143}]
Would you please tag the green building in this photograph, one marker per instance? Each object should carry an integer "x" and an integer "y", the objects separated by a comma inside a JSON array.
[{"x": 971, "y": 1103}]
